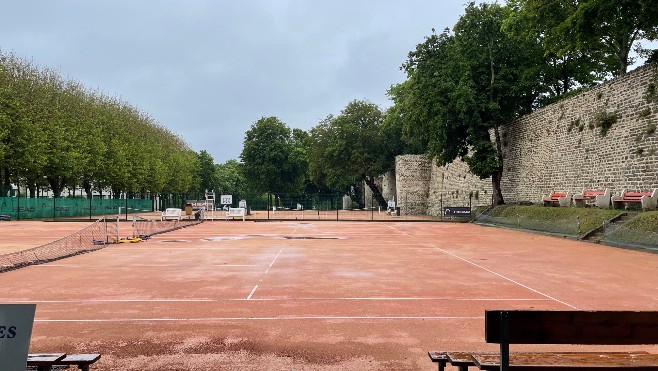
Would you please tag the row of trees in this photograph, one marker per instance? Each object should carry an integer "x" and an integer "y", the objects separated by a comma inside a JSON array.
[
  {"x": 56, "y": 133},
  {"x": 463, "y": 86}
]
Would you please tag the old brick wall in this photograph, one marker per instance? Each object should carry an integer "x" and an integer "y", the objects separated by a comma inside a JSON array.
[{"x": 560, "y": 147}]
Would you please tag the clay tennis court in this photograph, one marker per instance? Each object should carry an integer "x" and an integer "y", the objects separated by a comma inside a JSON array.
[{"x": 310, "y": 295}]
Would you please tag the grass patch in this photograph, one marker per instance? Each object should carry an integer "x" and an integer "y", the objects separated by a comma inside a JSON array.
[
  {"x": 646, "y": 221},
  {"x": 586, "y": 218}
]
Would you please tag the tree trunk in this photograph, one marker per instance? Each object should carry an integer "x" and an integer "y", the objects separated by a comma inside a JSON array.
[
  {"x": 57, "y": 185},
  {"x": 497, "y": 195},
  {"x": 376, "y": 193},
  {"x": 86, "y": 184},
  {"x": 32, "y": 187}
]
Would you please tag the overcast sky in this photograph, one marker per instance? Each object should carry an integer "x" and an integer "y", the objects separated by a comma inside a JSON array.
[{"x": 208, "y": 69}]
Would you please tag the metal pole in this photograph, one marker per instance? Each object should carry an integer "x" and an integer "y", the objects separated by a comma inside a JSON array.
[{"x": 54, "y": 207}]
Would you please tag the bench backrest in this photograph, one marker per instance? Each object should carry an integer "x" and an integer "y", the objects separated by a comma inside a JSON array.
[
  {"x": 236, "y": 211},
  {"x": 635, "y": 195},
  {"x": 593, "y": 193},
  {"x": 571, "y": 327},
  {"x": 173, "y": 211}
]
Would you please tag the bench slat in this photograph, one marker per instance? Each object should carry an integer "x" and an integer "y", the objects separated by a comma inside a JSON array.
[
  {"x": 574, "y": 327},
  {"x": 571, "y": 361}
]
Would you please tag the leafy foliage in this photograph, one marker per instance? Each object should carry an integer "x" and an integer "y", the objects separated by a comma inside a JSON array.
[
  {"x": 55, "y": 130},
  {"x": 464, "y": 87},
  {"x": 272, "y": 158},
  {"x": 350, "y": 148}
]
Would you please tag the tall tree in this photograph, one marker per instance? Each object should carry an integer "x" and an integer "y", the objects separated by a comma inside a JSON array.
[
  {"x": 606, "y": 31},
  {"x": 351, "y": 147},
  {"x": 563, "y": 70},
  {"x": 206, "y": 173},
  {"x": 267, "y": 157},
  {"x": 465, "y": 87}
]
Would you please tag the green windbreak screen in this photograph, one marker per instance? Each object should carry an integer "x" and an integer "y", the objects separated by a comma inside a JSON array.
[{"x": 37, "y": 208}]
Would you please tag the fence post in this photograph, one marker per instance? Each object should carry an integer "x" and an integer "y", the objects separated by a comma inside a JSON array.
[{"x": 54, "y": 208}]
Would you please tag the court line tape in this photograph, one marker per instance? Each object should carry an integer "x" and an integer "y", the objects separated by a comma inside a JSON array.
[
  {"x": 506, "y": 278},
  {"x": 399, "y": 231},
  {"x": 82, "y": 301},
  {"x": 264, "y": 274},
  {"x": 282, "y": 318},
  {"x": 146, "y": 265}
]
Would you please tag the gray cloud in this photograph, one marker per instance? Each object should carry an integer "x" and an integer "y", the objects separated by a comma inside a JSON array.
[{"x": 208, "y": 69}]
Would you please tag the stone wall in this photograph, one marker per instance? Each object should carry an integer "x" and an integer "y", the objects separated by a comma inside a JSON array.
[
  {"x": 412, "y": 182},
  {"x": 560, "y": 147}
]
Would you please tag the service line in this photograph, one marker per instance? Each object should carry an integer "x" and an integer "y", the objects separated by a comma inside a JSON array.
[{"x": 282, "y": 318}]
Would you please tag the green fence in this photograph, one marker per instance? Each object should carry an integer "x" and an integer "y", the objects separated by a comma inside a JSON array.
[{"x": 53, "y": 208}]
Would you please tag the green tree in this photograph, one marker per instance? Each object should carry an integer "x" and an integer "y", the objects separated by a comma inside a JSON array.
[
  {"x": 269, "y": 163},
  {"x": 465, "y": 87},
  {"x": 206, "y": 174},
  {"x": 351, "y": 148},
  {"x": 606, "y": 31},
  {"x": 562, "y": 70},
  {"x": 230, "y": 179}
]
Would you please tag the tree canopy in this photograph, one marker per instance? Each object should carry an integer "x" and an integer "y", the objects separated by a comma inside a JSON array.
[
  {"x": 271, "y": 157},
  {"x": 465, "y": 86},
  {"x": 54, "y": 130},
  {"x": 350, "y": 148}
]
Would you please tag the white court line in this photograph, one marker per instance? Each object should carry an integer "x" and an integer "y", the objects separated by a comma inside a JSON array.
[
  {"x": 83, "y": 301},
  {"x": 252, "y": 292},
  {"x": 143, "y": 265},
  {"x": 283, "y": 318},
  {"x": 506, "y": 278},
  {"x": 399, "y": 231},
  {"x": 266, "y": 271}
]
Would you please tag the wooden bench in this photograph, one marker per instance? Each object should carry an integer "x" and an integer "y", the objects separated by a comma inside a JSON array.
[
  {"x": 172, "y": 213},
  {"x": 46, "y": 362},
  {"x": 647, "y": 200},
  {"x": 464, "y": 360},
  {"x": 557, "y": 199},
  {"x": 505, "y": 327},
  {"x": 234, "y": 212},
  {"x": 600, "y": 199}
]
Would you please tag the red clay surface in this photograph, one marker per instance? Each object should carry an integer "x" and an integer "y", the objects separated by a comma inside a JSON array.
[{"x": 311, "y": 295}]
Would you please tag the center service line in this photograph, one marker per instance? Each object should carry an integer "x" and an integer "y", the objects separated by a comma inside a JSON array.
[{"x": 263, "y": 276}]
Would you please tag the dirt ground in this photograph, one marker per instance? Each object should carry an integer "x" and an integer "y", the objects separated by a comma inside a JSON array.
[{"x": 308, "y": 295}]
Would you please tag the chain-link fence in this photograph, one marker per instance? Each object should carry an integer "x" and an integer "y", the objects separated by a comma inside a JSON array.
[
  {"x": 284, "y": 206},
  {"x": 624, "y": 236},
  {"x": 567, "y": 227},
  {"x": 52, "y": 208}
]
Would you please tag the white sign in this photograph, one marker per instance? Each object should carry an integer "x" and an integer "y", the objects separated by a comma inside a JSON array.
[
  {"x": 15, "y": 332},
  {"x": 391, "y": 204},
  {"x": 226, "y": 199}
]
